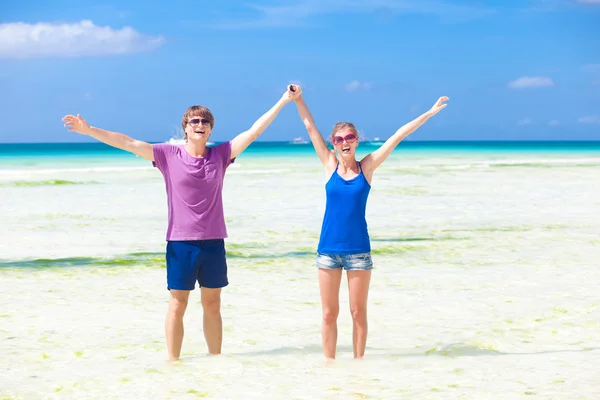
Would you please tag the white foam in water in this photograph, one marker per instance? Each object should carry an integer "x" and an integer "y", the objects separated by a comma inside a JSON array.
[
  {"x": 485, "y": 283},
  {"x": 15, "y": 173}
]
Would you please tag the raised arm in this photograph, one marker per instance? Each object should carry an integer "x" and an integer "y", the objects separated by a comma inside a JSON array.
[
  {"x": 326, "y": 156},
  {"x": 114, "y": 139},
  {"x": 244, "y": 139},
  {"x": 374, "y": 160}
]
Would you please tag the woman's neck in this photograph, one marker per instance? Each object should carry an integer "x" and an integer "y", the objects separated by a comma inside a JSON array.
[{"x": 347, "y": 163}]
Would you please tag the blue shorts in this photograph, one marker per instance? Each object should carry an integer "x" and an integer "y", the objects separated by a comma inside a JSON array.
[
  {"x": 196, "y": 260},
  {"x": 350, "y": 262}
]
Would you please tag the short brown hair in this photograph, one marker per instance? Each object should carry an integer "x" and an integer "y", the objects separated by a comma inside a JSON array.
[
  {"x": 344, "y": 125},
  {"x": 196, "y": 111}
]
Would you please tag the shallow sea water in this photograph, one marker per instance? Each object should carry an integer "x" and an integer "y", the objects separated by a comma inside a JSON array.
[{"x": 485, "y": 282}]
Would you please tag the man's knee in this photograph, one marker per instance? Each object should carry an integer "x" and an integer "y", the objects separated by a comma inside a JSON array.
[
  {"x": 211, "y": 301},
  {"x": 178, "y": 303}
]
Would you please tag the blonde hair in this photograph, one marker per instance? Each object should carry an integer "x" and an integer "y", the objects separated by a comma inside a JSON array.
[
  {"x": 196, "y": 111},
  {"x": 344, "y": 125}
]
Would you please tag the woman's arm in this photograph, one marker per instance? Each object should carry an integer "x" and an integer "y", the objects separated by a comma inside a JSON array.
[
  {"x": 374, "y": 160},
  {"x": 326, "y": 156}
]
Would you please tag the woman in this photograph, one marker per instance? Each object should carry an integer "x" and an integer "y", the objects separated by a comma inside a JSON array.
[
  {"x": 344, "y": 241},
  {"x": 193, "y": 175}
]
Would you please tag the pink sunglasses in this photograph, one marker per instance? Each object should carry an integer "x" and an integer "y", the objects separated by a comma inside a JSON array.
[{"x": 349, "y": 138}]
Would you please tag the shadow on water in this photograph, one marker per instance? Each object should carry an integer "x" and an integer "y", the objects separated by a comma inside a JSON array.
[
  {"x": 462, "y": 350},
  {"x": 452, "y": 351},
  {"x": 286, "y": 351}
]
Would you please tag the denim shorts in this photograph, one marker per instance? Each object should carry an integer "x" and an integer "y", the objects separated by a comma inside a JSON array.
[
  {"x": 192, "y": 261},
  {"x": 350, "y": 262}
]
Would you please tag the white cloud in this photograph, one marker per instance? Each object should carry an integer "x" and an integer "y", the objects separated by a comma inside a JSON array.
[
  {"x": 589, "y": 1},
  {"x": 357, "y": 85},
  {"x": 590, "y": 119},
  {"x": 525, "y": 121},
  {"x": 286, "y": 13},
  {"x": 554, "y": 122},
  {"x": 531, "y": 82},
  {"x": 21, "y": 40}
]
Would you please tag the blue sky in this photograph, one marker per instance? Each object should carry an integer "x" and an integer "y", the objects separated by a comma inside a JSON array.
[{"x": 527, "y": 69}]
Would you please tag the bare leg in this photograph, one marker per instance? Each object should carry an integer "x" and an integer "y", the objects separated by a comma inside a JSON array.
[
  {"x": 329, "y": 285},
  {"x": 174, "y": 322},
  {"x": 358, "y": 288},
  {"x": 213, "y": 325}
]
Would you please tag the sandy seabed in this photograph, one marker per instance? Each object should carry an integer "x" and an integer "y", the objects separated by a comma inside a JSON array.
[{"x": 485, "y": 286}]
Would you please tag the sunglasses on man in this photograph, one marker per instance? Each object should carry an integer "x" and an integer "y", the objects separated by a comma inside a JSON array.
[{"x": 197, "y": 121}]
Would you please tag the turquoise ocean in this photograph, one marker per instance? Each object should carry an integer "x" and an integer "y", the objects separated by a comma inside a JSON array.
[{"x": 485, "y": 282}]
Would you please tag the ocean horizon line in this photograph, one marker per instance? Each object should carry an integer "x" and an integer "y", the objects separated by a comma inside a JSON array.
[
  {"x": 412, "y": 141},
  {"x": 12, "y": 150}
]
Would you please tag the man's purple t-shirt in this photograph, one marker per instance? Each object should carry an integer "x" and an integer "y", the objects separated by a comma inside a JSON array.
[{"x": 194, "y": 190}]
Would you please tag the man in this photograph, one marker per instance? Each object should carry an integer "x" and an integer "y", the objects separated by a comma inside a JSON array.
[{"x": 193, "y": 175}]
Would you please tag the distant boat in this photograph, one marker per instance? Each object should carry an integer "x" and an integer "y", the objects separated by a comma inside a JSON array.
[
  {"x": 375, "y": 142},
  {"x": 176, "y": 141},
  {"x": 299, "y": 140}
]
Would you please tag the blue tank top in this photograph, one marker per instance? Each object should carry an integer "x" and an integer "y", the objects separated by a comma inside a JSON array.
[{"x": 344, "y": 229}]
